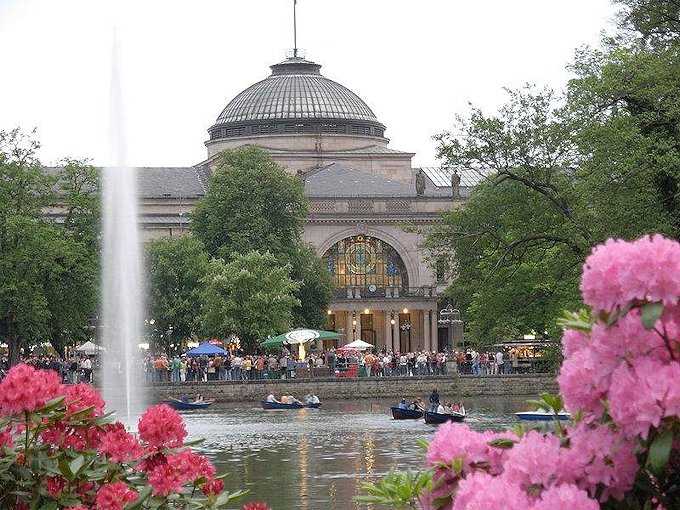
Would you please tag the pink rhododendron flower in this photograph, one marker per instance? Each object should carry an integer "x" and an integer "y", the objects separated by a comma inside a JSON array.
[
  {"x": 114, "y": 496},
  {"x": 599, "y": 459},
  {"x": 82, "y": 396},
  {"x": 25, "y": 389},
  {"x": 565, "y": 497},
  {"x": 619, "y": 272},
  {"x": 6, "y": 438},
  {"x": 257, "y": 505},
  {"x": 573, "y": 341},
  {"x": 584, "y": 380},
  {"x": 120, "y": 446},
  {"x": 639, "y": 395},
  {"x": 179, "y": 469},
  {"x": 480, "y": 491},
  {"x": 212, "y": 487},
  {"x": 457, "y": 441},
  {"x": 55, "y": 485},
  {"x": 535, "y": 461},
  {"x": 161, "y": 426}
]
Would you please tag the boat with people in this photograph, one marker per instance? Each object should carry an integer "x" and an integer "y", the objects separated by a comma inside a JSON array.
[
  {"x": 186, "y": 405},
  {"x": 543, "y": 415},
  {"x": 434, "y": 418},
  {"x": 290, "y": 402},
  {"x": 399, "y": 413}
]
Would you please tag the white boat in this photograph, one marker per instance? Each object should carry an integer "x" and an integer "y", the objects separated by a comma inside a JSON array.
[{"x": 542, "y": 415}]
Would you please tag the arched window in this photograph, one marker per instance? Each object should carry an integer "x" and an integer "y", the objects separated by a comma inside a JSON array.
[{"x": 367, "y": 263}]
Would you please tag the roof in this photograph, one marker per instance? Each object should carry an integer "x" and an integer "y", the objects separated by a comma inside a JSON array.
[
  {"x": 166, "y": 181},
  {"x": 295, "y": 90},
  {"x": 441, "y": 176},
  {"x": 340, "y": 180}
]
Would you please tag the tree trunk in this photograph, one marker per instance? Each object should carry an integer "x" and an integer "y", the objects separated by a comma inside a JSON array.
[{"x": 13, "y": 347}]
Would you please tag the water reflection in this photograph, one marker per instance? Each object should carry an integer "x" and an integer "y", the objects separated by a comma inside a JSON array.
[{"x": 316, "y": 459}]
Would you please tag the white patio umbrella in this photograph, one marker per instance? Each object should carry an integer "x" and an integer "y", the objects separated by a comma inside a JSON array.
[
  {"x": 301, "y": 336},
  {"x": 359, "y": 345},
  {"x": 89, "y": 348}
]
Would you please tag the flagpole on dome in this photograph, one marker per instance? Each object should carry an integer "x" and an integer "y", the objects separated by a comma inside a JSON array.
[{"x": 295, "y": 48}]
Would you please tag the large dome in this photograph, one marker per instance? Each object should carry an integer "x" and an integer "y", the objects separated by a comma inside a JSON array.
[{"x": 296, "y": 98}]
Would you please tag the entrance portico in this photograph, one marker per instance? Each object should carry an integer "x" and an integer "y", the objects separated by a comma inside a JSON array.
[{"x": 389, "y": 326}]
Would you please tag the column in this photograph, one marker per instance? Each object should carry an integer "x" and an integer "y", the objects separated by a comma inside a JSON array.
[
  {"x": 395, "y": 334},
  {"x": 348, "y": 327},
  {"x": 426, "y": 331},
  {"x": 387, "y": 331},
  {"x": 359, "y": 326},
  {"x": 435, "y": 330}
]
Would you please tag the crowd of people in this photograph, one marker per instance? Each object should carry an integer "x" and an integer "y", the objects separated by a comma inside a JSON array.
[
  {"x": 238, "y": 366},
  {"x": 284, "y": 365},
  {"x": 73, "y": 370}
]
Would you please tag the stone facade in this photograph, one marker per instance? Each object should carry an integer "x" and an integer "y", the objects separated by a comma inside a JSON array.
[{"x": 529, "y": 386}]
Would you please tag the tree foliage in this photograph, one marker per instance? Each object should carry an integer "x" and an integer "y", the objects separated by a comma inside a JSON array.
[
  {"x": 176, "y": 267},
  {"x": 563, "y": 172},
  {"x": 250, "y": 297},
  {"x": 254, "y": 204},
  {"x": 48, "y": 289}
]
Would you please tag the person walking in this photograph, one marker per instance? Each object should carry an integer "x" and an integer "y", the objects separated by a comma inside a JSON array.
[{"x": 499, "y": 361}]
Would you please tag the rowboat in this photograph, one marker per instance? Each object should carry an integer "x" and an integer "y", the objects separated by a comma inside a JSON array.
[
  {"x": 279, "y": 405},
  {"x": 406, "y": 414},
  {"x": 180, "y": 405},
  {"x": 436, "y": 418},
  {"x": 542, "y": 415}
]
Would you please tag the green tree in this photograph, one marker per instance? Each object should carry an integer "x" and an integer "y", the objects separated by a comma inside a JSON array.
[
  {"x": 49, "y": 270},
  {"x": 251, "y": 204},
  {"x": 251, "y": 296},
  {"x": 254, "y": 204},
  {"x": 562, "y": 174},
  {"x": 176, "y": 267},
  {"x": 315, "y": 289}
]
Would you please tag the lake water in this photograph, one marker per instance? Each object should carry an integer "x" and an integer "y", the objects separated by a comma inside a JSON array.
[{"x": 316, "y": 459}]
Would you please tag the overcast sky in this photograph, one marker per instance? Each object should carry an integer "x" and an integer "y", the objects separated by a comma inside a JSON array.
[{"x": 416, "y": 63}]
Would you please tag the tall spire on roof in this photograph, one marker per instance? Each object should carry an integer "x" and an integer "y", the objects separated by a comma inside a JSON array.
[{"x": 295, "y": 48}]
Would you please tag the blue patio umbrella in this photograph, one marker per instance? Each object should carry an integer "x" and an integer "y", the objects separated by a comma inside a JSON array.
[{"x": 206, "y": 349}]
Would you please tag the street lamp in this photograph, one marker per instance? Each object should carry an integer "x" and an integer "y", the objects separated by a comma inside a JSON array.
[
  {"x": 450, "y": 317},
  {"x": 406, "y": 327},
  {"x": 354, "y": 326},
  {"x": 392, "y": 322}
]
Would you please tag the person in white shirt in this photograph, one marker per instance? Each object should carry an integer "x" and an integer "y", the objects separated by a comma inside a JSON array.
[
  {"x": 272, "y": 398},
  {"x": 499, "y": 361},
  {"x": 440, "y": 409}
]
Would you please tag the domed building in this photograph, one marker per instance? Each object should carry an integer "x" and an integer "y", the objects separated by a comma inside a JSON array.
[{"x": 362, "y": 194}]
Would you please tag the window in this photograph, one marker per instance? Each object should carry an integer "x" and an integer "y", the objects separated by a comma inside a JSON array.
[{"x": 366, "y": 262}]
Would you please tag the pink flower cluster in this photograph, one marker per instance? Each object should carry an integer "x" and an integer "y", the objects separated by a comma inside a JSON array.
[
  {"x": 620, "y": 272},
  {"x": 624, "y": 365},
  {"x": 622, "y": 375},
  {"x": 114, "y": 496},
  {"x": 70, "y": 424},
  {"x": 25, "y": 389},
  {"x": 161, "y": 427}
]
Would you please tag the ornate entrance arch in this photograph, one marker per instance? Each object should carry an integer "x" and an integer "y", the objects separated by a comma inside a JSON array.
[{"x": 367, "y": 263}]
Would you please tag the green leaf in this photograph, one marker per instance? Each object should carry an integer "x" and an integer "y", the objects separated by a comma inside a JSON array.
[
  {"x": 423, "y": 444},
  {"x": 502, "y": 443},
  {"x": 143, "y": 496},
  {"x": 65, "y": 469},
  {"x": 76, "y": 464},
  {"x": 651, "y": 312},
  {"x": 660, "y": 450}
]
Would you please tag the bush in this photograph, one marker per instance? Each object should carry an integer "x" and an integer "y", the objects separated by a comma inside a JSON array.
[
  {"x": 621, "y": 380},
  {"x": 59, "y": 450}
]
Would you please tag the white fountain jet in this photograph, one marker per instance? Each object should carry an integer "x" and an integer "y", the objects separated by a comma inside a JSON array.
[{"x": 122, "y": 295}]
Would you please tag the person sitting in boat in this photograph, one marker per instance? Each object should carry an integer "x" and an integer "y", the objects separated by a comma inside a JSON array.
[
  {"x": 312, "y": 399},
  {"x": 272, "y": 399},
  {"x": 420, "y": 405},
  {"x": 184, "y": 398},
  {"x": 440, "y": 409},
  {"x": 402, "y": 404},
  {"x": 199, "y": 399}
]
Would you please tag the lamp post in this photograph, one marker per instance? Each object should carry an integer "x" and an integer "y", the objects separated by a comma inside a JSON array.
[
  {"x": 392, "y": 321},
  {"x": 406, "y": 327},
  {"x": 451, "y": 317},
  {"x": 354, "y": 326}
]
